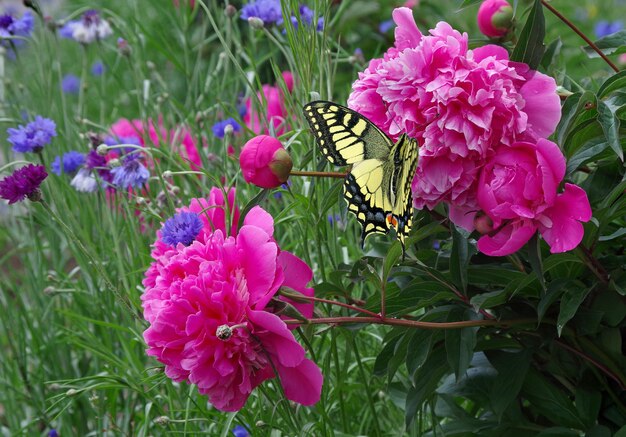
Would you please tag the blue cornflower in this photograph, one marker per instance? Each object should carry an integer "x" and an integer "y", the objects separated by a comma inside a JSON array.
[
  {"x": 132, "y": 173},
  {"x": 53, "y": 433},
  {"x": 436, "y": 245},
  {"x": 97, "y": 69},
  {"x": 70, "y": 84},
  {"x": 11, "y": 26},
  {"x": 32, "y": 137},
  {"x": 386, "y": 26},
  {"x": 240, "y": 431},
  {"x": 218, "y": 128},
  {"x": 267, "y": 10},
  {"x": 184, "y": 227},
  {"x": 71, "y": 162},
  {"x": 604, "y": 28},
  {"x": 90, "y": 28}
]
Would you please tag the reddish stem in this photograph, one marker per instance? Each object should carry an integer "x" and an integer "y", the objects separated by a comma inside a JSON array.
[
  {"x": 319, "y": 174},
  {"x": 411, "y": 323},
  {"x": 341, "y": 304}
]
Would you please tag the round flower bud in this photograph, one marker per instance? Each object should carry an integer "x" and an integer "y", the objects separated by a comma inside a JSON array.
[
  {"x": 256, "y": 23},
  {"x": 102, "y": 149},
  {"x": 264, "y": 162},
  {"x": 495, "y": 18},
  {"x": 483, "y": 223},
  {"x": 230, "y": 11}
]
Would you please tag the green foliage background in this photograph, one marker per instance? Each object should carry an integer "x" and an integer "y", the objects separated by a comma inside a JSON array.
[{"x": 73, "y": 355}]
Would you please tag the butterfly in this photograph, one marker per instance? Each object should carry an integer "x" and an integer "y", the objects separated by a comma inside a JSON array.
[{"x": 378, "y": 186}]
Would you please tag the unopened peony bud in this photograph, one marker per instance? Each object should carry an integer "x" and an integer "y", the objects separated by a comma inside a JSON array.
[
  {"x": 264, "y": 162},
  {"x": 483, "y": 223},
  {"x": 495, "y": 18}
]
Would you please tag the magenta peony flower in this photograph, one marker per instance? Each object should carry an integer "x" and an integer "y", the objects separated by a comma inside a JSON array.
[
  {"x": 517, "y": 190},
  {"x": 264, "y": 162},
  {"x": 180, "y": 139},
  {"x": 459, "y": 104},
  {"x": 494, "y": 17},
  {"x": 206, "y": 305},
  {"x": 273, "y": 101}
]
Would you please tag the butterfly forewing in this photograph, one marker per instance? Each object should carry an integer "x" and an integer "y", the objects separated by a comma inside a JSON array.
[
  {"x": 378, "y": 187},
  {"x": 344, "y": 136}
]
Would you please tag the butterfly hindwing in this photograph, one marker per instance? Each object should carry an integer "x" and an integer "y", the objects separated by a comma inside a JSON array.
[
  {"x": 345, "y": 136},
  {"x": 378, "y": 186}
]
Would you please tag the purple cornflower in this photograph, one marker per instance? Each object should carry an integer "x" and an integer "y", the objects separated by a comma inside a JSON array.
[
  {"x": 70, "y": 84},
  {"x": 307, "y": 17},
  {"x": 23, "y": 183},
  {"x": 604, "y": 28},
  {"x": 267, "y": 10},
  {"x": 53, "y": 433},
  {"x": 219, "y": 127},
  {"x": 132, "y": 173},
  {"x": 91, "y": 27},
  {"x": 32, "y": 137},
  {"x": 11, "y": 26},
  {"x": 183, "y": 227},
  {"x": 71, "y": 162},
  {"x": 94, "y": 161},
  {"x": 97, "y": 69},
  {"x": 240, "y": 431}
]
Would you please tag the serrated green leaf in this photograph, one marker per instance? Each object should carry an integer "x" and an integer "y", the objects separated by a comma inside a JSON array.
[
  {"x": 575, "y": 293},
  {"x": 530, "y": 48},
  {"x": 613, "y": 83},
  {"x": 610, "y": 125}
]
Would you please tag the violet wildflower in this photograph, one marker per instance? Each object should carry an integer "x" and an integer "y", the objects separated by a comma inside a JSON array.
[
  {"x": 90, "y": 28},
  {"x": 240, "y": 431},
  {"x": 94, "y": 161},
  {"x": 53, "y": 433},
  {"x": 183, "y": 227},
  {"x": 269, "y": 11},
  {"x": 32, "y": 137},
  {"x": 70, "y": 84},
  {"x": 23, "y": 183},
  {"x": 97, "y": 68},
  {"x": 11, "y": 26},
  {"x": 307, "y": 17},
  {"x": 604, "y": 28},
  {"x": 84, "y": 181},
  {"x": 132, "y": 173},
  {"x": 219, "y": 128},
  {"x": 386, "y": 26},
  {"x": 71, "y": 162}
]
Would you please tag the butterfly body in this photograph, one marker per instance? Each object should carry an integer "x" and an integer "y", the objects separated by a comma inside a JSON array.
[{"x": 378, "y": 186}]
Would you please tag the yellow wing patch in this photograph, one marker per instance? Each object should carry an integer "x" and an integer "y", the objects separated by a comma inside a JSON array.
[{"x": 378, "y": 187}]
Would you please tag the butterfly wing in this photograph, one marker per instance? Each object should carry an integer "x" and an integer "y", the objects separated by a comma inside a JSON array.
[
  {"x": 405, "y": 155},
  {"x": 344, "y": 136}
]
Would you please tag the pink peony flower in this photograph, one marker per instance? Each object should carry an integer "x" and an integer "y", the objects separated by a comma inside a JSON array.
[
  {"x": 459, "y": 104},
  {"x": 206, "y": 305},
  {"x": 275, "y": 114},
  {"x": 180, "y": 138},
  {"x": 494, "y": 18},
  {"x": 265, "y": 162},
  {"x": 517, "y": 190}
]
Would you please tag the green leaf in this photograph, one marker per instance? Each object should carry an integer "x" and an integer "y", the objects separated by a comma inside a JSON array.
[
  {"x": 575, "y": 294},
  {"x": 621, "y": 432},
  {"x": 490, "y": 299},
  {"x": 610, "y": 125},
  {"x": 418, "y": 350},
  {"x": 558, "y": 431},
  {"x": 588, "y": 405},
  {"x": 467, "y": 3},
  {"x": 549, "y": 401},
  {"x": 534, "y": 257},
  {"x": 425, "y": 382},
  {"x": 381, "y": 365},
  {"x": 610, "y": 44},
  {"x": 551, "y": 54},
  {"x": 620, "y": 232},
  {"x": 512, "y": 369},
  {"x": 554, "y": 290},
  {"x": 459, "y": 258},
  {"x": 530, "y": 47},
  {"x": 331, "y": 197},
  {"x": 599, "y": 431},
  {"x": 460, "y": 344},
  {"x": 572, "y": 107},
  {"x": 587, "y": 152},
  {"x": 613, "y": 83},
  {"x": 256, "y": 200}
]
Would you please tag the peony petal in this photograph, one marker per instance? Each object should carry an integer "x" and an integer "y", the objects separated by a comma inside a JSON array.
[
  {"x": 407, "y": 34},
  {"x": 276, "y": 338},
  {"x": 463, "y": 216},
  {"x": 303, "y": 383},
  {"x": 297, "y": 276},
  {"x": 508, "y": 239},
  {"x": 260, "y": 218},
  {"x": 550, "y": 155},
  {"x": 543, "y": 105},
  {"x": 566, "y": 232},
  {"x": 490, "y": 50}
]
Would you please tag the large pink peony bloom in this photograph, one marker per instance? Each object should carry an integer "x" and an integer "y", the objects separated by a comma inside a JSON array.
[
  {"x": 206, "y": 305},
  {"x": 518, "y": 190},
  {"x": 180, "y": 139},
  {"x": 459, "y": 104},
  {"x": 275, "y": 114}
]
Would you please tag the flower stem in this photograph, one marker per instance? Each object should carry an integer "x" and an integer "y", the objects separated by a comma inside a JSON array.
[
  {"x": 412, "y": 323},
  {"x": 319, "y": 174},
  {"x": 341, "y": 304},
  {"x": 580, "y": 33}
]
